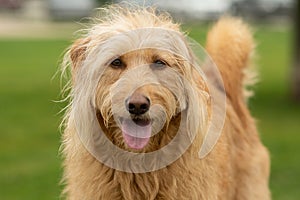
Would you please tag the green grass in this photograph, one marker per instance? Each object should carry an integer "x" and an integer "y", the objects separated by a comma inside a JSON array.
[
  {"x": 29, "y": 140},
  {"x": 29, "y": 136},
  {"x": 278, "y": 116}
]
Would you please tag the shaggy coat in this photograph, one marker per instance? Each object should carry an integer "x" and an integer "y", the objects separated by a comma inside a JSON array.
[{"x": 236, "y": 168}]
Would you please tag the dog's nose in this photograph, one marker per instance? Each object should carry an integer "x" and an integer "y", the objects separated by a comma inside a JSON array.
[{"x": 137, "y": 104}]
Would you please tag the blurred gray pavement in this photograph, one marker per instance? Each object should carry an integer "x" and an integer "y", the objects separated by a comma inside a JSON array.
[{"x": 33, "y": 21}]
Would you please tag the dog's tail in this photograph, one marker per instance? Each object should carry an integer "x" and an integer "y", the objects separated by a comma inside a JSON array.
[{"x": 230, "y": 44}]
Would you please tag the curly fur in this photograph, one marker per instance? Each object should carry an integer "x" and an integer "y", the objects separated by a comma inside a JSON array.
[{"x": 237, "y": 167}]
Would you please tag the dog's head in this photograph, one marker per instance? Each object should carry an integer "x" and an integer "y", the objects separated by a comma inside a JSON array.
[
  {"x": 135, "y": 74},
  {"x": 142, "y": 94}
]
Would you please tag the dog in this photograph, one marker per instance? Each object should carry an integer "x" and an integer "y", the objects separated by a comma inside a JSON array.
[{"x": 149, "y": 119}]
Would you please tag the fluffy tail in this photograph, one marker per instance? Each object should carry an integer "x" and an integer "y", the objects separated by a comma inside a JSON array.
[{"x": 230, "y": 44}]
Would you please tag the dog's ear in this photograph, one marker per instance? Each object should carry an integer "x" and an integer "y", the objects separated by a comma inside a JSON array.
[{"x": 78, "y": 52}]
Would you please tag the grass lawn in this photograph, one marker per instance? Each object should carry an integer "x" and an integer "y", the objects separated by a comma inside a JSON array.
[
  {"x": 30, "y": 165},
  {"x": 29, "y": 136}
]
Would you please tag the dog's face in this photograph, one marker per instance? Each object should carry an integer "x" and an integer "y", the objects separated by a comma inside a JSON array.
[
  {"x": 133, "y": 105},
  {"x": 143, "y": 90}
]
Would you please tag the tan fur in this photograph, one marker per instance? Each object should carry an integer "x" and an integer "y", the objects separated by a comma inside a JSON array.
[
  {"x": 230, "y": 44},
  {"x": 237, "y": 167}
]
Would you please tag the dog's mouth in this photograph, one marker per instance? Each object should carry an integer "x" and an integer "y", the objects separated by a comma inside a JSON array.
[{"x": 136, "y": 132}]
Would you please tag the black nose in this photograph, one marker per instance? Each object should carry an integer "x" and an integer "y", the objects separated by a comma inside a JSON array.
[{"x": 137, "y": 104}]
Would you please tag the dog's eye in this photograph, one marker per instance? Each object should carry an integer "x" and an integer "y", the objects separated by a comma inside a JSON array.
[
  {"x": 158, "y": 64},
  {"x": 117, "y": 63}
]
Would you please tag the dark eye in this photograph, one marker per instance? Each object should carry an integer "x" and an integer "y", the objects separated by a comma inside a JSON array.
[
  {"x": 158, "y": 64},
  {"x": 117, "y": 63}
]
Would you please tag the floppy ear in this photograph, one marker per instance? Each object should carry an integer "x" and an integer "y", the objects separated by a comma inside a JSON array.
[
  {"x": 209, "y": 104},
  {"x": 78, "y": 52}
]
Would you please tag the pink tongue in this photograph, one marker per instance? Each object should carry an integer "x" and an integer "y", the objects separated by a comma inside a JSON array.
[{"x": 135, "y": 136}]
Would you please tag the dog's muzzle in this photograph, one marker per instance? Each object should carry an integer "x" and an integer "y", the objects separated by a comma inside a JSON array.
[{"x": 137, "y": 130}]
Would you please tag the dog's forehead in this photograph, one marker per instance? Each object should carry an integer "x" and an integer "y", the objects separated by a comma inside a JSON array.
[
  {"x": 147, "y": 38},
  {"x": 147, "y": 55}
]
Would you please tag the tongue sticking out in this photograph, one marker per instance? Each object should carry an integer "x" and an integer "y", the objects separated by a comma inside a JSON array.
[{"x": 136, "y": 133}]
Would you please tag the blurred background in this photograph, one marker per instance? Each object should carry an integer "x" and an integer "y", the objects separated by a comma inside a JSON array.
[{"x": 35, "y": 33}]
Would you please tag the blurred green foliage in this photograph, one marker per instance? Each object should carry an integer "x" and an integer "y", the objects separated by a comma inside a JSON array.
[{"x": 29, "y": 135}]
